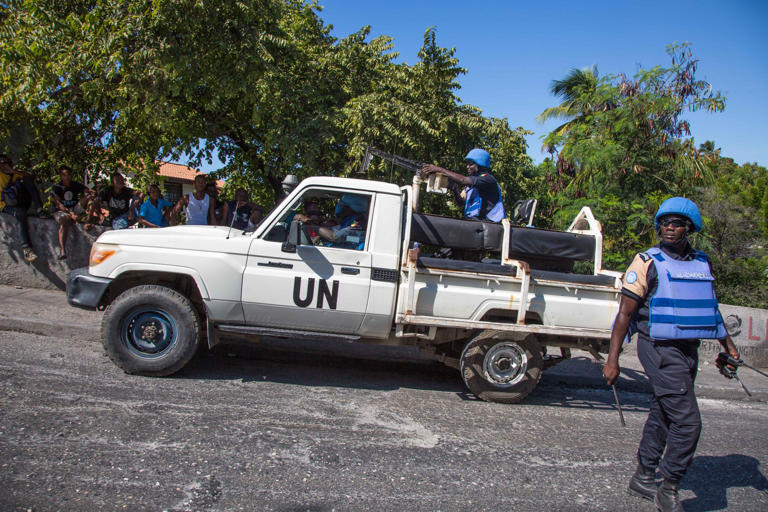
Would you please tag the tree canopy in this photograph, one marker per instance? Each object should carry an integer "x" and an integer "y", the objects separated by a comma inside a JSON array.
[{"x": 260, "y": 83}]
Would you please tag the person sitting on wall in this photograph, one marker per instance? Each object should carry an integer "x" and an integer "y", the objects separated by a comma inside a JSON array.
[
  {"x": 219, "y": 214},
  {"x": 19, "y": 192},
  {"x": 119, "y": 201},
  {"x": 72, "y": 200},
  {"x": 481, "y": 196}
]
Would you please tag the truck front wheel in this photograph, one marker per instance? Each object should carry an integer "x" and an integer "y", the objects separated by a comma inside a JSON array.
[
  {"x": 150, "y": 330},
  {"x": 500, "y": 370}
]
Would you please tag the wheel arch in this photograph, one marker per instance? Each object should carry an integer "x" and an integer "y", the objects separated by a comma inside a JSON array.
[
  {"x": 188, "y": 284},
  {"x": 150, "y": 269}
]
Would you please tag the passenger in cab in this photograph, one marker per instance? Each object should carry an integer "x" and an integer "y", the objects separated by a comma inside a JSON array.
[{"x": 351, "y": 217}]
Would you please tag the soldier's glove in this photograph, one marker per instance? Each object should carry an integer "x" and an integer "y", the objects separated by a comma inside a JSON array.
[{"x": 727, "y": 364}]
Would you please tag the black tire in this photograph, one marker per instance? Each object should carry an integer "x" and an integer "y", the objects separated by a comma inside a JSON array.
[
  {"x": 150, "y": 330},
  {"x": 497, "y": 369}
]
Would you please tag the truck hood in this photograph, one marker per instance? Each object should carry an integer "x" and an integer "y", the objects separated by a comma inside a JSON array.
[{"x": 177, "y": 237}]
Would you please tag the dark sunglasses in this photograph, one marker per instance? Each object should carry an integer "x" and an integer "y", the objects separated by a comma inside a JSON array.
[{"x": 676, "y": 223}]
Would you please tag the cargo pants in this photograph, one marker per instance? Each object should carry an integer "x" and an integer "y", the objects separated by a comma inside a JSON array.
[{"x": 673, "y": 426}]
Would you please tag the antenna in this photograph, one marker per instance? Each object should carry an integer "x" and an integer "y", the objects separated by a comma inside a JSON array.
[{"x": 234, "y": 215}]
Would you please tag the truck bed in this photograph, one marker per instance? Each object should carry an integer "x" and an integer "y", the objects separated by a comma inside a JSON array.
[
  {"x": 542, "y": 249},
  {"x": 485, "y": 267}
]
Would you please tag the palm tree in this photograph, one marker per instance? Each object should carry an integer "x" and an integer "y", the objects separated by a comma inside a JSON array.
[{"x": 577, "y": 92}]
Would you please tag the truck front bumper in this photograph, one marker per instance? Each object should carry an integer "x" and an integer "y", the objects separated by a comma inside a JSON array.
[{"x": 84, "y": 290}]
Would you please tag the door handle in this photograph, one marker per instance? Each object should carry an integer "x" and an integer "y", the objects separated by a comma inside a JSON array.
[
  {"x": 350, "y": 270},
  {"x": 276, "y": 264}
]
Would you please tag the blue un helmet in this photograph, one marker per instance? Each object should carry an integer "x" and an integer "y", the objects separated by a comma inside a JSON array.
[
  {"x": 679, "y": 206},
  {"x": 480, "y": 157}
]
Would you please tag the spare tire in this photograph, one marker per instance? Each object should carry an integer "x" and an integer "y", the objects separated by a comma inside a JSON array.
[{"x": 497, "y": 369}]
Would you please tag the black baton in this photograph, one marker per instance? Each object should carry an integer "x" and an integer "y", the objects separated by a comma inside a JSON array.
[{"x": 618, "y": 405}]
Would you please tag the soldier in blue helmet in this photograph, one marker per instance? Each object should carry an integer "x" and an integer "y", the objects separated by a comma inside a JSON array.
[
  {"x": 669, "y": 300},
  {"x": 481, "y": 194}
]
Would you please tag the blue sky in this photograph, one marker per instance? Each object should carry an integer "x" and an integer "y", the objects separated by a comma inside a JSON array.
[{"x": 513, "y": 50}]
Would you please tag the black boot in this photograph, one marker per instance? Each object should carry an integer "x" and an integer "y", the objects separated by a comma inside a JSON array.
[
  {"x": 667, "y": 499},
  {"x": 643, "y": 483}
]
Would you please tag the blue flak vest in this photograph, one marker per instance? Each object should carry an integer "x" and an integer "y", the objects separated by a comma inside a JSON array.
[
  {"x": 473, "y": 204},
  {"x": 684, "y": 305}
]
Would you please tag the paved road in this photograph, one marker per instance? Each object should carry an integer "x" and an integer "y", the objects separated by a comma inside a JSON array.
[{"x": 276, "y": 429}]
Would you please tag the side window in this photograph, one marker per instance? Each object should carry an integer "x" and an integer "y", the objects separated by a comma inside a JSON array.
[{"x": 330, "y": 219}]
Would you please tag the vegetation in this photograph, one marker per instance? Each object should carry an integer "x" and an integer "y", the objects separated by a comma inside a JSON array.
[
  {"x": 626, "y": 147},
  {"x": 102, "y": 84}
]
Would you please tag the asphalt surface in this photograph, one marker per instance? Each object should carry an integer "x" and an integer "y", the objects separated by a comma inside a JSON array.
[{"x": 287, "y": 426}]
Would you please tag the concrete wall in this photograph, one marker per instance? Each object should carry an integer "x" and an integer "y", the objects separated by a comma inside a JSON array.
[
  {"x": 47, "y": 271},
  {"x": 748, "y": 328}
]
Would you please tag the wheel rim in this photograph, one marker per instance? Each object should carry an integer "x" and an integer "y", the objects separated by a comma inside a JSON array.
[
  {"x": 505, "y": 364},
  {"x": 149, "y": 332}
]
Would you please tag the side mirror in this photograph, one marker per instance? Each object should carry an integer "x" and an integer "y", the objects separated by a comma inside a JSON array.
[{"x": 294, "y": 237}]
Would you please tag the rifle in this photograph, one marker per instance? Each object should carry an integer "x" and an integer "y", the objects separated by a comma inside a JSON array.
[
  {"x": 724, "y": 359},
  {"x": 405, "y": 163}
]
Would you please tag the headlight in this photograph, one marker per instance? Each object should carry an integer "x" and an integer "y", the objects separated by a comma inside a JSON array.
[{"x": 100, "y": 252}]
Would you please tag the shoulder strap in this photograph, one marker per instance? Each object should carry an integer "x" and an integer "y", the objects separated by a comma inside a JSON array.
[
  {"x": 655, "y": 253},
  {"x": 699, "y": 255}
]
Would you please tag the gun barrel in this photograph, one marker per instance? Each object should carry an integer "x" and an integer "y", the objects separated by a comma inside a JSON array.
[
  {"x": 742, "y": 385},
  {"x": 405, "y": 163},
  {"x": 755, "y": 369}
]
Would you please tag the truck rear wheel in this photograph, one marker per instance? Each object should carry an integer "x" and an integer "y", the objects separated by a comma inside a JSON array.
[
  {"x": 150, "y": 330},
  {"x": 500, "y": 370}
]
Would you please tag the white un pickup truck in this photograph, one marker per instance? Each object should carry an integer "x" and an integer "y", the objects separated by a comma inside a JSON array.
[{"x": 348, "y": 259}]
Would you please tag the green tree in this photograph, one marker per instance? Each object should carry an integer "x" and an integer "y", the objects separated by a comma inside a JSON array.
[
  {"x": 415, "y": 111},
  {"x": 737, "y": 247},
  {"x": 629, "y": 151},
  {"x": 261, "y": 83},
  {"x": 735, "y": 234},
  {"x": 124, "y": 82}
]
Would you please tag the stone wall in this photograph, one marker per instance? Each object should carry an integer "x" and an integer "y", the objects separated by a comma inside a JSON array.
[{"x": 47, "y": 271}]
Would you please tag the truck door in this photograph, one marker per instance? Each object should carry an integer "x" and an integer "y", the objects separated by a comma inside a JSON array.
[{"x": 323, "y": 285}]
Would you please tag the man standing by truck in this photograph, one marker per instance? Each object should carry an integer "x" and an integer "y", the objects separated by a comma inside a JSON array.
[
  {"x": 481, "y": 195},
  {"x": 669, "y": 300}
]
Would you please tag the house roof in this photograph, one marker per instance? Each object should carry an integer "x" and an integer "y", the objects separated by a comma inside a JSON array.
[{"x": 180, "y": 172}]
